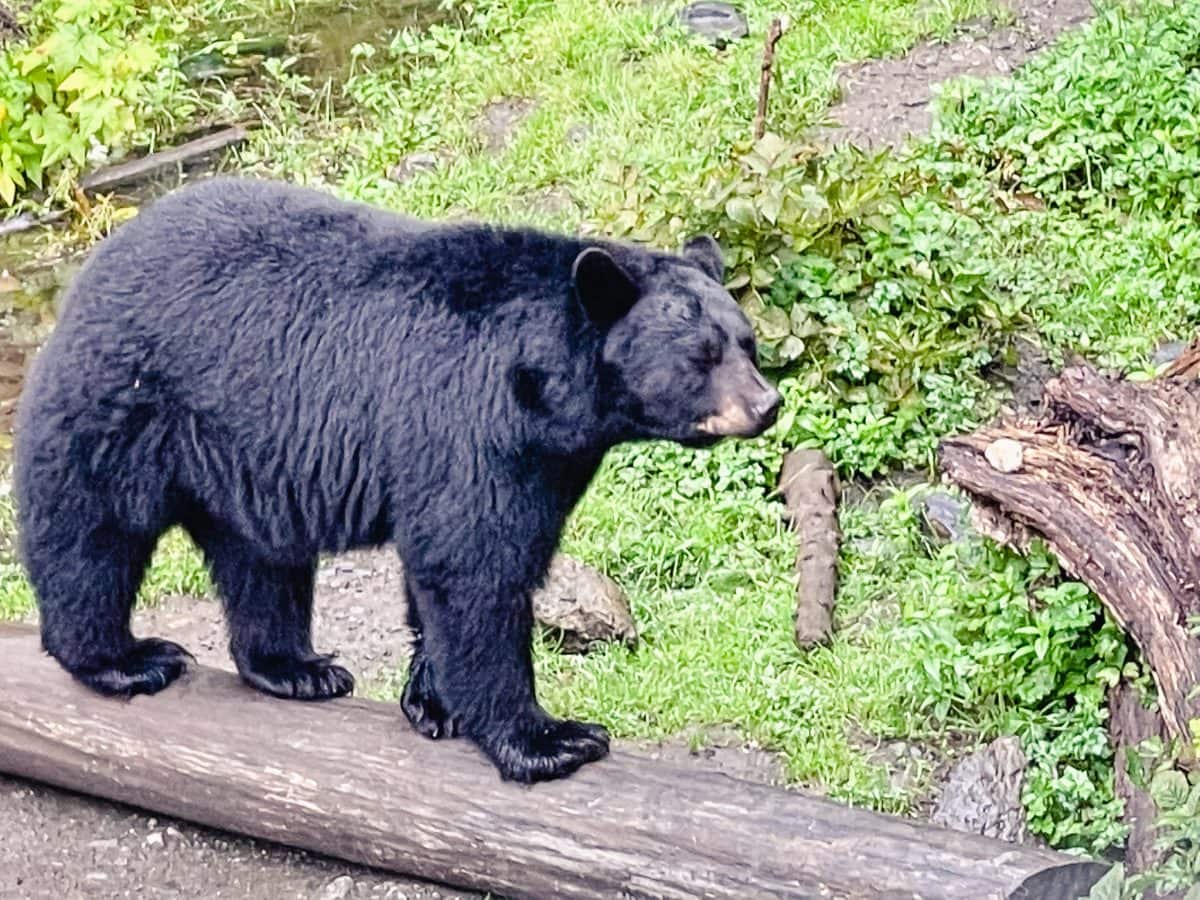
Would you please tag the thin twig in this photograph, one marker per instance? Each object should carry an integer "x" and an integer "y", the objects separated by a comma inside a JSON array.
[{"x": 774, "y": 33}]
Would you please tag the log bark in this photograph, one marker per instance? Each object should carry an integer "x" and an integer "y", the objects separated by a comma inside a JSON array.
[
  {"x": 809, "y": 486},
  {"x": 349, "y": 779},
  {"x": 1110, "y": 477}
]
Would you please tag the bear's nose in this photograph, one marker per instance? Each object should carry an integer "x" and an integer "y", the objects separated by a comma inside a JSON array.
[{"x": 766, "y": 409}]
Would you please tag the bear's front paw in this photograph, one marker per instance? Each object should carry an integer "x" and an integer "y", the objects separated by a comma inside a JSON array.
[
  {"x": 297, "y": 678},
  {"x": 539, "y": 748}
]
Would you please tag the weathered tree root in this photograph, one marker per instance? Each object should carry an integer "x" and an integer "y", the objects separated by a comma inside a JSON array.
[
  {"x": 810, "y": 490},
  {"x": 1110, "y": 477}
]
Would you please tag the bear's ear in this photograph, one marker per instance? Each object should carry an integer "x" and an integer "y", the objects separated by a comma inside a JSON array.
[
  {"x": 706, "y": 253},
  {"x": 604, "y": 290}
]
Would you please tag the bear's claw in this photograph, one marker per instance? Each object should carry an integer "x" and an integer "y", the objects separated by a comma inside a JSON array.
[{"x": 540, "y": 748}]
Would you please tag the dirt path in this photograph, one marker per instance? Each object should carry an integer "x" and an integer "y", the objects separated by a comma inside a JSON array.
[
  {"x": 884, "y": 101},
  {"x": 62, "y": 846}
]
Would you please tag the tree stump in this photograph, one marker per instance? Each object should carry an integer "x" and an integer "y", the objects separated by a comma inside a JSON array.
[{"x": 1109, "y": 476}]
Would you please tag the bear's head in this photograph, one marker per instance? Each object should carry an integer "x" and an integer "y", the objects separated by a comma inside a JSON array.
[{"x": 677, "y": 356}]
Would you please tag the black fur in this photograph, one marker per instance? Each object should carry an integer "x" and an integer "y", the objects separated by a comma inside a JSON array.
[{"x": 285, "y": 375}]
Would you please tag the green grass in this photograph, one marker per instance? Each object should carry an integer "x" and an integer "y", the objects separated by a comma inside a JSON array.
[{"x": 648, "y": 95}]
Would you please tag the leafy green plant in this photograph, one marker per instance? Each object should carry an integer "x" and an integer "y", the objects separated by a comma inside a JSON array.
[
  {"x": 96, "y": 71},
  {"x": 1004, "y": 645},
  {"x": 1176, "y": 795},
  {"x": 1113, "y": 118}
]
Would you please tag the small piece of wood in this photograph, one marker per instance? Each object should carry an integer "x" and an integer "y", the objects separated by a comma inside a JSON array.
[
  {"x": 349, "y": 778},
  {"x": 136, "y": 170},
  {"x": 1110, "y": 477},
  {"x": 774, "y": 33},
  {"x": 809, "y": 486}
]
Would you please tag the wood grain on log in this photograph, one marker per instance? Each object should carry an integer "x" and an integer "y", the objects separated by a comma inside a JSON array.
[
  {"x": 1110, "y": 477},
  {"x": 809, "y": 486},
  {"x": 349, "y": 779}
]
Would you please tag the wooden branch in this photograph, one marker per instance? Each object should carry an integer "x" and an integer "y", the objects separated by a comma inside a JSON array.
[
  {"x": 774, "y": 33},
  {"x": 1109, "y": 478},
  {"x": 130, "y": 172},
  {"x": 144, "y": 167},
  {"x": 809, "y": 486},
  {"x": 28, "y": 221},
  {"x": 350, "y": 779}
]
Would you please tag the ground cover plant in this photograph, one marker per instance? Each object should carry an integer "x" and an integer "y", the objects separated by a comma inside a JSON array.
[{"x": 887, "y": 291}]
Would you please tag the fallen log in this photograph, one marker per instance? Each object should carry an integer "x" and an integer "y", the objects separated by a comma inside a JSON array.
[
  {"x": 1110, "y": 477},
  {"x": 349, "y": 779},
  {"x": 132, "y": 172},
  {"x": 143, "y": 167},
  {"x": 809, "y": 486}
]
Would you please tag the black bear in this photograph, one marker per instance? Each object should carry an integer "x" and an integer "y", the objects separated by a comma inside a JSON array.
[{"x": 285, "y": 374}]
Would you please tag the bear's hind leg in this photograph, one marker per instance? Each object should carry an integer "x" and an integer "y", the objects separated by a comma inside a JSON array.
[
  {"x": 269, "y": 612},
  {"x": 86, "y": 584}
]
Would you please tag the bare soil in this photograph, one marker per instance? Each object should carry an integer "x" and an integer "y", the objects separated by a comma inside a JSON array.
[
  {"x": 884, "y": 101},
  {"x": 59, "y": 845}
]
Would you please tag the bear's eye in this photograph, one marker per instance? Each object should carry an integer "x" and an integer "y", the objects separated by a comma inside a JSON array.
[
  {"x": 748, "y": 347},
  {"x": 709, "y": 355}
]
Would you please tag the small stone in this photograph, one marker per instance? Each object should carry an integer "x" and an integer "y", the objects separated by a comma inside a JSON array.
[
  {"x": 583, "y": 606},
  {"x": 103, "y": 844},
  {"x": 1168, "y": 352},
  {"x": 945, "y": 515},
  {"x": 338, "y": 889},
  {"x": 718, "y": 23},
  {"x": 1005, "y": 455},
  {"x": 982, "y": 794},
  {"x": 155, "y": 840},
  {"x": 577, "y": 134}
]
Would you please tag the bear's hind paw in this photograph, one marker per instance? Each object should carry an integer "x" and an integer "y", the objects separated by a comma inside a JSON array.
[{"x": 146, "y": 668}]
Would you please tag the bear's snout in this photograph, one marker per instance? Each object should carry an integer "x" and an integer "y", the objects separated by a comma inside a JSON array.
[{"x": 746, "y": 404}]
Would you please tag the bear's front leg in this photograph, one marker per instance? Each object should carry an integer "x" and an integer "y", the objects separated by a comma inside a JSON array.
[{"x": 472, "y": 674}]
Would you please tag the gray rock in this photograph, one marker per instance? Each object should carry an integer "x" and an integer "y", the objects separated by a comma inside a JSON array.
[
  {"x": 583, "y": 607},
  {"x": 338, "y": 889},
  {"x": 1168, "y": 352},
  {"x": 982, "y": 793},
  {"x": 718, "y": 23}
]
